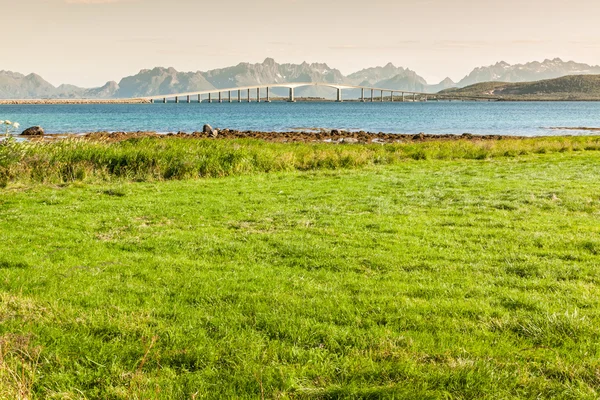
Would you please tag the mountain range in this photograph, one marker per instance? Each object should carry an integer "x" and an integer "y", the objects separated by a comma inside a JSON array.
[
  {"x": 570, "y": 87},
  {"x": 160, "y": 80}
]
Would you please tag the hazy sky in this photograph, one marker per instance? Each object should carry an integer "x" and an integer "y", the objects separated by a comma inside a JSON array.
[{"x": 88, "y": 42}]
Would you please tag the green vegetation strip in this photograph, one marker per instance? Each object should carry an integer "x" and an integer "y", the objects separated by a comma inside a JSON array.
[
  {"x": 150, "y": 159},
  {"x": 419, "y": 279}
]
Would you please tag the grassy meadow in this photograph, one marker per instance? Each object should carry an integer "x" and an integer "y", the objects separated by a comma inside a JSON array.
[{"x": 189, "y": 269}]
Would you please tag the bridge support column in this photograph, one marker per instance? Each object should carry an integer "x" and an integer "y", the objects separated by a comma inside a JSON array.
[
  {"x": 199, "y": 98},
  {"x": 176, "y": 99},
  {"x": 268, "y": 96},
  {"x": 292, "y": 99},
  {"x": 372, "y": 95},
  {"x": 362, "y": 95},
  {"x": 210, "y": 97},
  {"x": 165, "y": 100},
  {"x": 382, "y": 96},
  {"x": 220, "y": 97},
  {"x": 258, "y": 95},
  {"x": 339, "y": 96},
  {"x": 239, "y": 96},
  {"x": 392, "y": 96},
  {"x": 414, "y": 97},
  {"x": 229, "y": 98},
  {"x": 249, "y": 99},
  {"x": 189, "y": 99},
  {"x": 403, "y": 97},
  {"x": 151, "y": 101}
]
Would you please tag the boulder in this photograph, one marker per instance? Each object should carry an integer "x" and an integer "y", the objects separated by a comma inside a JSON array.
[
  {"x": 349, "y": 140},
  {"x": 209, "y": 129},
  {"x": 33, "y": 131}
]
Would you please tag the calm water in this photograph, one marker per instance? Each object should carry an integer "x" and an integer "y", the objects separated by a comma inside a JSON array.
[{"x": 528, "y": 118}]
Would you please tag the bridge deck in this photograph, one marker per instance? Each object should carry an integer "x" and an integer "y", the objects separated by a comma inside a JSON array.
[{"x": 290, "y": 85}]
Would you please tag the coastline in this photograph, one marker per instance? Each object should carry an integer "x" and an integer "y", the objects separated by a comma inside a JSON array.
[
  {"x": 73, "y": 101},
  {"x": 316, "y": 136},
  {"x": 333, "y": 136}
]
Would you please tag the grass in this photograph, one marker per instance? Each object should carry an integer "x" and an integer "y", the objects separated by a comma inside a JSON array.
[
  {"x": 151, "y": 159},
  {"x": 410, "y": 279}
]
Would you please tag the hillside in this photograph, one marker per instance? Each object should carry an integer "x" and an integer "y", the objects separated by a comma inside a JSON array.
[
  {"x": 18, "y": 86},
  {"x": 161, "y": 81},
  {"x": 573, "y": 87},
  {"x": 269, "y": 71},
  {"x": 371, "y": 76},
  {"x": 409, "y": 83},
  {"x": 528, "y": 72}
]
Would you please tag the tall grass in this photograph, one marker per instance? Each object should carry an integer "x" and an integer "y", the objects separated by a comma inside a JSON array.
[{"x": 166, "y": 158}]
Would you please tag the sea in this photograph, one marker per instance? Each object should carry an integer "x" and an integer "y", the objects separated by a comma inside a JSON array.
[{"x": 479, "y": 118}]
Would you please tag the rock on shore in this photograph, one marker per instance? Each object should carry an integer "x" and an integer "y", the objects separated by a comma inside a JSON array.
[
  {"x": 33, "y": 131},
  {"x": 210, "y": 131}
]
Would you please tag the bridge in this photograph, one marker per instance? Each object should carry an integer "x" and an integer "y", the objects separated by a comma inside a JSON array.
[{"x": 266, "y": 90}]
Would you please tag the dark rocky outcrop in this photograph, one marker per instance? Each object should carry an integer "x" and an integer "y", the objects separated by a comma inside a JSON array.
[
  {"x": 33, "y": 131},
  {"x": 210, "y": 131}
]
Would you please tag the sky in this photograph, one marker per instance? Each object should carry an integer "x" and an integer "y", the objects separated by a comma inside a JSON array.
[{"x": 89, "y": 42}]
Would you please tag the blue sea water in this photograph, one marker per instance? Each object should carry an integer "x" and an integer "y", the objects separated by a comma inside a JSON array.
[{"x": 505, "y": 118}]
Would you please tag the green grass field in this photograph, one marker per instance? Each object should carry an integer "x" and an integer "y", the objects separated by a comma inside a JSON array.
[{"x": 406, "y": 277}]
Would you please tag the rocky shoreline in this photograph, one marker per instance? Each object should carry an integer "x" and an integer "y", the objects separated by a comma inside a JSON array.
[
  {"x": 73, "y": 101},
  {"x": 324, "y": 136}
]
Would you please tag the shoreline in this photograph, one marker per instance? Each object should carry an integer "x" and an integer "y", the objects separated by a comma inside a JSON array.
[
  {"x": 307, "y": 135},
  {"x": 72, "y": 101},
  {"x": 318, "y": 136}
]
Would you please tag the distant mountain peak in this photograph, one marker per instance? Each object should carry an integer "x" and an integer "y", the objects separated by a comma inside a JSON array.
[
  {"x": 387, "y": 74},
  {"x": 35, "y": 78},
  {"x": 528, "y": 72},
  {"x": 111, "y": 84}
]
